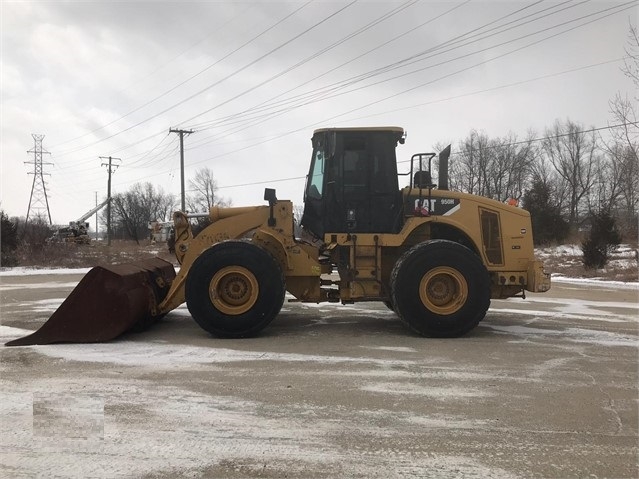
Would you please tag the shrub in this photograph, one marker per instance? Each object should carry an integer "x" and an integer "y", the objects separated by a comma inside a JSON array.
[
  {"x": 32, "y": 243},
  {"x": 8, "y": 241},
  {"x": 548, "y": 224},
  {"x": 601, "y": 241}
]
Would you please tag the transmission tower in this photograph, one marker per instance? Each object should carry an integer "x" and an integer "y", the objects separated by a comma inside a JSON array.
[{"x": 38, "y": 201}]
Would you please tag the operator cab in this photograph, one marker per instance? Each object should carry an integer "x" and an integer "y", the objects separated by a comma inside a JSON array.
[{"x": 352, "y": 184}]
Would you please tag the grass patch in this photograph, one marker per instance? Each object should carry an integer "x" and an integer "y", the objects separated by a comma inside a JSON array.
[
  {"x": 70, "y": 255},
  {"x": 567, "y": 260}
]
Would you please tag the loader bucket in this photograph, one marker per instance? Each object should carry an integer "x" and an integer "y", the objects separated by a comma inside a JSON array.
[{"x": 107, "y": 302}]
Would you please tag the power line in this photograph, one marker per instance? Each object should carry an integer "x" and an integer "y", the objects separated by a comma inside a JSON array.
[
  {"x": 148, "y": 153},
  {"x": 296, "y": 37},
  {"x": 290, "y": 40},
  {"x": 250, "y": 146},
  {"x": 388, "y": 15},
  {"x": 315, "y": 78},
  {"x": 204, "y": 90},
  {"x": 223, "y": 79},
  {"x": 487, "y": 61},
  {"x": 316, "y": 97},
  {"x": 503, "y": 145},
  {"x": 315, "y": 55},
  {"x": 553, "y": 137},
  {"x": 499, "y": 87},
  {"x": 279, "y": 180},
  {"x": 278, "y": 136},
  {"x": 290, "y": 132},
  {"x": 155, "y": 70},
  {"x": 486, "y": 90},
  {"x": 314, "y": 94}
]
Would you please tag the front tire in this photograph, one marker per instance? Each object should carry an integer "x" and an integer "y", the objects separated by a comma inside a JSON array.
[
  {"x": 440, "y": 289},
  {"x": 234, "y": 289}
]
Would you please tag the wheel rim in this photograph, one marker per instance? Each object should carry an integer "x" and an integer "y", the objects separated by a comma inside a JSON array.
[
  {"x": 233, "y": 290},
  {"x": 443, "y": 290}
]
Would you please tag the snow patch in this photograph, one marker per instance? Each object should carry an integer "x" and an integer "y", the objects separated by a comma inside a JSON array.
[
  {"x": 599, "y": 282},
  {"x": 50, "y": 285},
  {"x": 42, "y": 305},
  {"x": 189, "y": 425},
  {"x": 457, "y": 392},
  {"x": 556, "y": 315},
  {"x": 24, "y": 271},
  {"x": 397, "y": 349},
  {"x": 151, "y": 354},
  {"x": 577, "y": 335}
]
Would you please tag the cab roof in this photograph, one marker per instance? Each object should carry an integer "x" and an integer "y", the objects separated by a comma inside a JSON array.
[{"x": 395, "y": 129}]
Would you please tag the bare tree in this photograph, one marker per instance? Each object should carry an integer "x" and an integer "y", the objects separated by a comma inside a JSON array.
[
  {"x": 204, "y": 188},
  {"x": 622, "y": 150},
  {"x": 510, "y": 167},
  {"x": 496, "y": 168},
  {"x": 468, "y": 171},
  {"x": 606, "y": 187},
  {"x": 133, "y": 210},
  {"x": 572, "y": 152},
  {"x": 545, "y": 178},
  {"x": 619, "y": 185},
  {"x": 622, "y": 108},
  {"x": 631, "y": 62}
]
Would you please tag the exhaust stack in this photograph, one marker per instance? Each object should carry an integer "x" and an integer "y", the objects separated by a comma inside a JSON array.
[{"x": 443, "y": 168}]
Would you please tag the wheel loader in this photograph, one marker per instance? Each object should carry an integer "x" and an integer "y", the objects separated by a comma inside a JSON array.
[{"x": 434, "y": 256}]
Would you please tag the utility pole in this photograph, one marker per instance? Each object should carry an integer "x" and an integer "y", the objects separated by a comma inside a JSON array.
[
  {"x": 111, "y": 169},
  {"x": 181, "y": 133},
  {"x": 96, "y": 216},
  {"x": 38, "y": 199}
]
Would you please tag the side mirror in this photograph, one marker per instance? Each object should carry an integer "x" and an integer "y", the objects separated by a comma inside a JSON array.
[{"x": 269, "y": 195}]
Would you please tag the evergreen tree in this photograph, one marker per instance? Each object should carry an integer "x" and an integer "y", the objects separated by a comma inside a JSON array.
[
  {"x": 548, "y": 224},
  {"x": 602, "y": 240}
]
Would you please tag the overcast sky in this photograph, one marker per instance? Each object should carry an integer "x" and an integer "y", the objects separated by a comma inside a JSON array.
[{"x": 254, "y": 79}]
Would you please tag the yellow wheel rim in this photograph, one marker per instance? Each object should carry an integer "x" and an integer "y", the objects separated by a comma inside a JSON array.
[
  {"x": 233, "y": 290},
  {"x": 443, "y": 290}
]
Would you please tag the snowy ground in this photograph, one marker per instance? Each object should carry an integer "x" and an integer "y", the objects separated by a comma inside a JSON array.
[
  {"x": 545, "y": 387},
  {"x": 567, "y": 260}
]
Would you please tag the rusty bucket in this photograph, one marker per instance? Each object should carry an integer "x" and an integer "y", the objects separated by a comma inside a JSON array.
[{"x": 107, "y": 302}]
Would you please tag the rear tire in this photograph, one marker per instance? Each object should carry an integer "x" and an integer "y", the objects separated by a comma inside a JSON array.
[
  {"x": 234, "y": 289},
  {"x": 440, "y": 289}
]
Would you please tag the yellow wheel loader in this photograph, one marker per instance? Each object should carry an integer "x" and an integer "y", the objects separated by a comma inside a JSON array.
[{"x": 434, "y": 256}]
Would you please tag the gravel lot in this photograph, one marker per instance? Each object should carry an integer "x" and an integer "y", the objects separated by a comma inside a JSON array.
[{"x": 546, "y": 387}]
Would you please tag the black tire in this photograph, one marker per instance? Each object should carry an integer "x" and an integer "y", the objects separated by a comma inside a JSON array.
[
  {"x": 440, "y": 289},
  {"x": 234, "y": 289}
]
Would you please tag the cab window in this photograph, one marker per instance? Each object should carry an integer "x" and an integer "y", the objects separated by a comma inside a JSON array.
[{"x": 316, "y": 181}]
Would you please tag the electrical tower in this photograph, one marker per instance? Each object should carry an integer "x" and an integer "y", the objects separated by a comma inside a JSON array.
[{"x": 38, "y": 201}]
